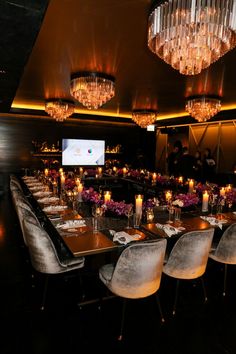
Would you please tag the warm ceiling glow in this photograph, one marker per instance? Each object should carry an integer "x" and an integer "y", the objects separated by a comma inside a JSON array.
[
  {"x": 112, "y": 114},
  {"x": 191, "y": 35}
]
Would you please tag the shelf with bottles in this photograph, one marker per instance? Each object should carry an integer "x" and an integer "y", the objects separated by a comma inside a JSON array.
[
  {"x": 44, "y": 149},
  {"x": 117, "y": 149}
]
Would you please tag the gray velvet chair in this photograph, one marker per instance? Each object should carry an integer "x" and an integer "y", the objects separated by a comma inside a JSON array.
[
  {"x": 225, "y": 251},
  {"x": 137, "y": 273},
  {"x": 188, "y": 258},
  {"x": 44, "y": 256}
]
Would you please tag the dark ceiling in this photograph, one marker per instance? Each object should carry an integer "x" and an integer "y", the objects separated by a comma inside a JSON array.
[{"x": 107, "y": 36}]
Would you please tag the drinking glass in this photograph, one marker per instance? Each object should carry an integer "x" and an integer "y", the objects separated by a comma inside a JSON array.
[
  {"x": 177, "y": 214},
  {"x": 129, "y": 212},
  {"x": 212, "y": 203},
  {"x": 96, "y": 212},
  {"x": 171, "y": 211}
]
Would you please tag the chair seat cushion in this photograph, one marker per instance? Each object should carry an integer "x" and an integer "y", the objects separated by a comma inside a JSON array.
[
  {"x": 71, "y": 262},
  {"x": 105, "y": 273}
]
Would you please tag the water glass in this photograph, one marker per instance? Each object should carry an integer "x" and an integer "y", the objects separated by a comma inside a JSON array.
[
  {"x": 137, "y": 220},
  {"x": 95, "y": 224},
  {"x": 171, "y": 211},
  {"x": 177, "y": 214}
]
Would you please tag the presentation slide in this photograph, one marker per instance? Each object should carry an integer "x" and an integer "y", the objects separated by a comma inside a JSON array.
[{"x": 80, "y": 152}]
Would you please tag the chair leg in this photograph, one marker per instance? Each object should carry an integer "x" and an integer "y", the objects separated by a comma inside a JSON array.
[
  {"x": 225, "y": 277},
  {"x": 44, "y": 292},
  {"x": 122, "y": 319},
  {"x": 204, "y": 289},
  {"x": 176, "y": 296},
  {"x": 159, "y": 306}
]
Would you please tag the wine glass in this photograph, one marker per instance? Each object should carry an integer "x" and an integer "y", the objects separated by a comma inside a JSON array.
[
  {"x": 212, "y": 203},
  {"x": 129, "y": 212}
]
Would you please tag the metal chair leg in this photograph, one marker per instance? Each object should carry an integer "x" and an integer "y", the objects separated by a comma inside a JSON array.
[
  {"x": 176, "y": 296},
  {"x": 122, "y": 319},
  {"x": 225, "y": 277},
  {"x": 159, "y": 306},
  {"x": 44, "y": 292},
  {"x": 204, "y": 289}
]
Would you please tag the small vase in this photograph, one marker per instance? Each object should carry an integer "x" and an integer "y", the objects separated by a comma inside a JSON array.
[{"x": 177, "y": 214}]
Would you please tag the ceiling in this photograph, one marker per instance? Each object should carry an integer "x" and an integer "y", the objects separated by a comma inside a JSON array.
[{"x": 107, "y": 36}]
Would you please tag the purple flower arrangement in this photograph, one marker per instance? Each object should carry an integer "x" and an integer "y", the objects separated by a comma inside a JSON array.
[
  {"x": 119, "y": 208},
  {"x": 149, "y": 203},
  {"x": 188, "y": 199},
  {"x": 91, "y": 196},
  {"x": 69, "y": 184}
]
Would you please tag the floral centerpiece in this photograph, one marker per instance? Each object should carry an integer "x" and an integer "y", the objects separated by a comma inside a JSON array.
[
  {"x": 186, "y": 200},
  {"x": 118, "y": 208},
  {"x": 69, "y": 184},
  {"x": 91, "y": 196}
]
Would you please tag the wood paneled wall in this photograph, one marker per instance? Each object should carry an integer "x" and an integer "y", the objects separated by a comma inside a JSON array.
[
  {"x": 220, "y": 137},
  {"x": 17, "y": 134}
]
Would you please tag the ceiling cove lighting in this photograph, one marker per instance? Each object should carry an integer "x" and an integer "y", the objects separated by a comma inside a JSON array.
[
  {"x": 92, "y": 89},
  {"x": 190, "y": 35},
  {"x": 202, "y": 108},
  {"x": 144, "y": 117},
  {"x": 59, "y": 109}
]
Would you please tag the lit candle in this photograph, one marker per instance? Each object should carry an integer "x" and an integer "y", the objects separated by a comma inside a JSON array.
[
  {"x": 115, "y": 169},
  {"x": 46, "y": 172},
  {"x": 191, "y": 186},
  {"x": 205, "y": 199},
  {"x": 138, "y": 204},
  {"x": 77, "y": 182},
  {"x": 124, "y": 171},
  {"x": 99, "y": 171},
  {"x": 61, "y": 170},
  {"x": 154, "y": 177},
  {"x": 222, "y": 191},
  {"x": 228, "y": 188},
  {"x": 80, "y": 190},
  {"x": 81, "y": 171},
  {"x": 181, "y": 179},
  {"x": 168, "y": 196},
  {"x": 63, "y": 179},
  {"x": 107, "y": 196}
]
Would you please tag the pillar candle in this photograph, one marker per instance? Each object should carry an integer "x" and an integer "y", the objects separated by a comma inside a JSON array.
[
  {"x": 107, "y": 196},
  {"x": 46, "y": 172},
  {"x": 81, "y": 171},
  {"x": 191, "y": 186},
  {"x": 205, "y": 199},
  {"x": 181, "y": 179},
  {"x": 168, "y": 196},
  {"x": 60, "y": 170},
  {"x": 77, "y": 182},
  {"x": 222, "y": 191},
  {"x": 124, "y": 171},
  {"x": 138, "y": 203},
  {"x": 228, "y": 188},
  {"x": 80, "y": 190},
  {"x": 154, "y": 177},
  {"x": 63, "y": 179},
  {"x": 115, "y": 169}
]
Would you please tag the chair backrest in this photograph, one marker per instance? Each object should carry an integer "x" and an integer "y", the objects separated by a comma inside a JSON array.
[
  {"x": 226, "y": 249},
  {"x": 138, "y": 271},
  {"x": 24, "y": 212},
  {"x": 189, "y": 256},
  {"x": 43, "y": 255}
]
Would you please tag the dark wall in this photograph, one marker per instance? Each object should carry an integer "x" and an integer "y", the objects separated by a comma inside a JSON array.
[{"x": 17, "y": 134}]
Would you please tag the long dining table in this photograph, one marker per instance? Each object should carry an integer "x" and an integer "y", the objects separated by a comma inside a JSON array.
[{"x": 82, "y": 240}]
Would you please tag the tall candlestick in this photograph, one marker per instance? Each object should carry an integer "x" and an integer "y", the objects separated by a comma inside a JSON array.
[
  {"x": 205, "y": 199},
  {"x": 107, "y": 196},
  {"x": 138, "y": 204},
  {"x": 191, "y": 186}
]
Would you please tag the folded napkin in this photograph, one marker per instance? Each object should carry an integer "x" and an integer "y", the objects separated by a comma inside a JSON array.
[
  {"x": 213, "y": 221},
  {"x": 42, "y": 194},
  {"x": 55, "y": 208},
  {"x": 69, "y": 224},
  {"x": 123, "y": 237},
  {"x": 170, "y": 230},
  {"x": 48, "y": 200}
]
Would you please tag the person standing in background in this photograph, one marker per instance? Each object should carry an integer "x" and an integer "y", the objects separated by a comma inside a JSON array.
[
  {"x": 174, "y": 158},
  {"x": 186, "y": 164},
  {"x": 208, "y": 166},
  {"x": 197, "y": 167}
]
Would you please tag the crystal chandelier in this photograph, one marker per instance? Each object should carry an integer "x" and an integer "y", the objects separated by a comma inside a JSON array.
[
  {"x": 92, "y": 89},
  {"x": 59, "y": 109},
  {"x": 144, "y": 117},
  {"x": 202, "y": 108},
  {"x": 190, "y": 35}
]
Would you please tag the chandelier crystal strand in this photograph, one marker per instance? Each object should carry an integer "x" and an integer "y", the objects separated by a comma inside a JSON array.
[
  {"x": 59, "y": 109},
  {"x": 190, "y": 35},
  {"x": 203, "y": 108},
  {"x": 92, "y": 89},
  {"x": 143, "y": 118}
]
